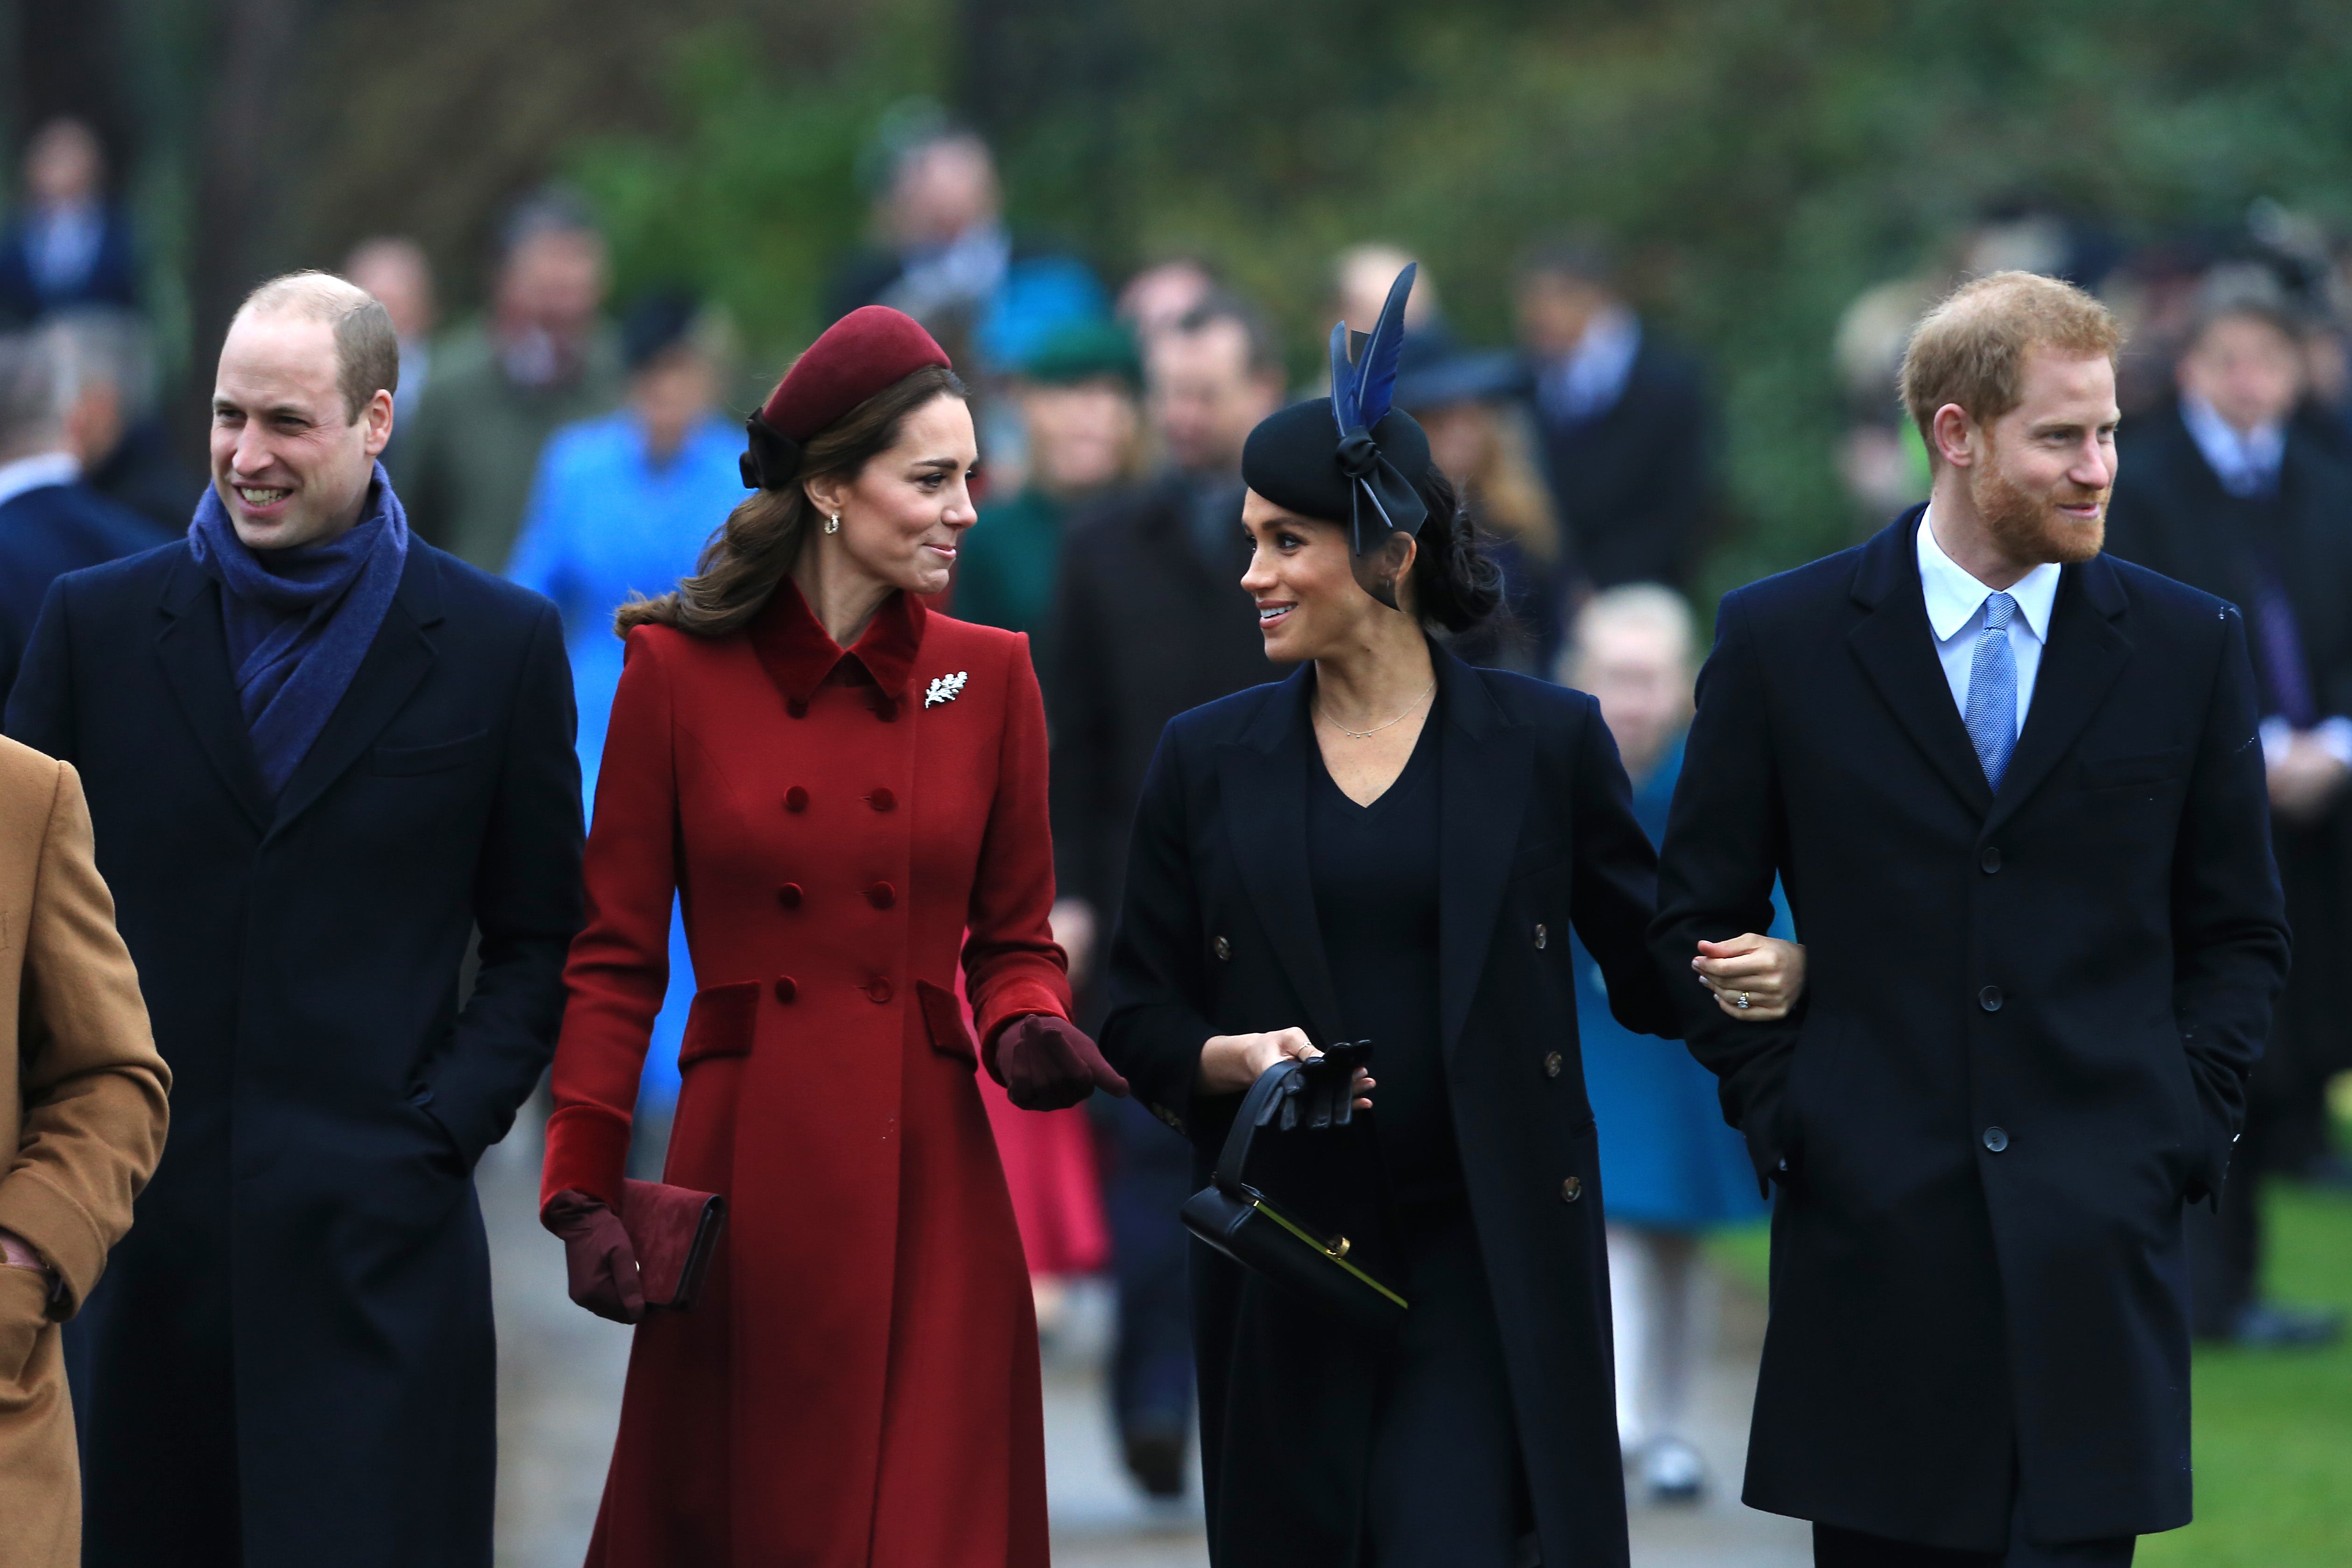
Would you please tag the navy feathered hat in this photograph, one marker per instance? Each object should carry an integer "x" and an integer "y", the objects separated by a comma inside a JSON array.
[{"x": 1351, "y": 457}]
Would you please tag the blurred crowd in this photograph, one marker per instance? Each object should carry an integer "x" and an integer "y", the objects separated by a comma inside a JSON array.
[{"x": 587, "y": 448}]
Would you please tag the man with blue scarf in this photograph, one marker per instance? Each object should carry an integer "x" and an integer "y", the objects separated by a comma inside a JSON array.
[{"x": 321, "y": 755}]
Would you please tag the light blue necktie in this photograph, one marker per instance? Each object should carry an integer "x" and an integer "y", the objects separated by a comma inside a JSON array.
[{"x": 1992, "y": 690}]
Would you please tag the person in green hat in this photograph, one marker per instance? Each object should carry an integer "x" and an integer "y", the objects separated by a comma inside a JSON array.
[{"x": 1077, "y": 401}]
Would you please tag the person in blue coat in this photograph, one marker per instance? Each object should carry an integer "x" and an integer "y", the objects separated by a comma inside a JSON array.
[
  {"x": 622, "y": 506},
  {"x": 1672, "y": 1168}
]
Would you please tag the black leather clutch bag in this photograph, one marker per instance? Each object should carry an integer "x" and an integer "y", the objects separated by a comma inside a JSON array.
[{"x": 1279, "y": 1241}]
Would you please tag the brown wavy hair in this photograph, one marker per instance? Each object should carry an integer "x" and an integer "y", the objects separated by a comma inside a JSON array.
[{"x": 753, "y": 551}]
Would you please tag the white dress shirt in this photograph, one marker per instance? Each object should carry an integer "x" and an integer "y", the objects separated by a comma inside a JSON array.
[
  {"x": 1955, "y": 614},
  {"x": 2246, "y": 461},
  {"x": 31, "y": 473}
]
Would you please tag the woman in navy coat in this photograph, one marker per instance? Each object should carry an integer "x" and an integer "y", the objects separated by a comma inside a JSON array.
[{"x": 1392, "y": 844}]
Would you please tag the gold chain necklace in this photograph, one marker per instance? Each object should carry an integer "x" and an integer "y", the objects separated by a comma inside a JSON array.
[{"x": 1367, "y": 734}]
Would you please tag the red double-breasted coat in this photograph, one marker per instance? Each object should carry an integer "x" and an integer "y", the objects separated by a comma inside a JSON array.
[{"x": 858, "y": 1382}]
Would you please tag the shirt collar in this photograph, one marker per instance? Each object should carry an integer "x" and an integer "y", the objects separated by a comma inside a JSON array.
[
  {"x": 1953, "y": 597},
  {"x": 33, "y": 473},
  {"x": 2246, "y": 461},
  {"x": 800, "y": 656}
]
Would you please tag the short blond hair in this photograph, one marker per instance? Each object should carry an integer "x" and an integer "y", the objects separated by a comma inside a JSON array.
[
  {"x": 1648, "y": 606},
  {"x": 1970, "y": 349},
  {"x": 367, "y": 350}
]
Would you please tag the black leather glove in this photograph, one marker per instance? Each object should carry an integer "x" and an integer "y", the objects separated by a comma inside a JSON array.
[
  {"x": 1322, "y": 1094},
  {"x": 1045, "y": 1064},
  {"x": 602, "y": 1263}
]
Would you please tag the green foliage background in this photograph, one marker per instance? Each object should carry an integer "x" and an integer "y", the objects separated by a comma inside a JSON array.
[{"x": 1764, "y": 160}]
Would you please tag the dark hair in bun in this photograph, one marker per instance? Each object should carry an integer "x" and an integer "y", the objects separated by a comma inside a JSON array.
[{"x": 1456, "y": 584}]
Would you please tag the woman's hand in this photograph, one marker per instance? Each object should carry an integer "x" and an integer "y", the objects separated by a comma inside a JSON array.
[
  {"x": 602, "y": 1265},
  {"x": 1756, "y": 979},
  {"x": 1230, "y": 1063}
]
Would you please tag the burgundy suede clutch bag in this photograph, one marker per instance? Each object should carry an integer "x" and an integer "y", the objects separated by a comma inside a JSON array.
[{"x": 673, "y": 1231}]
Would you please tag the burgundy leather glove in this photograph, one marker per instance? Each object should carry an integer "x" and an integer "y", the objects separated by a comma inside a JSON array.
[
  {"x": 597, "y": 1254},
  {"x": 1045, "y": 1064}
]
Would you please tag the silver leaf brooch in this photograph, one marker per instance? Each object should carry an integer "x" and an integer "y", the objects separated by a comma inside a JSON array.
[{"x": 946, "y": 688}]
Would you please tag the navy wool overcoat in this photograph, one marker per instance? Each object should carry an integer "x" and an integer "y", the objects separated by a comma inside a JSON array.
[
  {"x": 1218, "y": 935},
  {"x": 2029, "y": 1019},
  {"x": 294, "y": 1344}
]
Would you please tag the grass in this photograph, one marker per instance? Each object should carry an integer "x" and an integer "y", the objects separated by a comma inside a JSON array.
[{"x": 2273, "y": 1429}]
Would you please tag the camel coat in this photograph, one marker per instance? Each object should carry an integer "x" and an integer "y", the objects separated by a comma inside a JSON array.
[{"x": 83, "y": 1131}]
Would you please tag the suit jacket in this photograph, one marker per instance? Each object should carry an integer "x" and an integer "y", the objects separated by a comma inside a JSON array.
[
  {"x": 2025, "y": 1041},
  {"x": 46, "y": 532},
  {"x": 112, "y": 278},
  {"x": 1218, "y": 935},
  {"x": 84, "y": 1125},
  {"x": 1634, "y": 484},
  {"x": 1144, "y": 629},
  {"x": 301, "y": 1323}
]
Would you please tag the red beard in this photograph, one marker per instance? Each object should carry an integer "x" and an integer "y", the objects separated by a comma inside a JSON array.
[{"x": 2029, "y": 527}]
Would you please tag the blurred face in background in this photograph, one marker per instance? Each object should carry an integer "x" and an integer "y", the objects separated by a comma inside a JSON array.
[
  {"x": 1304, "y": 584},
  {"x": 1461, "y": 438},
  {"x": 2247, "y": 368},
  {"x": 64, "y": 165},
  {"x": 553, "y": 282},
  {"x": 942, "y": 189},
  {"x": 1638, "y": 667},
  {"x": 289, "y": 461},
  {"x": 1205, "y": 398},
  {"x": 1554, "y": 308},
  {"x": 1159, "y": 296},
  {"x": 397, "y": 273},
  {"x": 1081, "y": 436},
  {"x": 669, "y": 394}
]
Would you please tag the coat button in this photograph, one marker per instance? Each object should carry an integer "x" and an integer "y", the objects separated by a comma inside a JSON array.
[
  {"x": 881, "y": 895},
  {"x": 1996, "y": 1140},
  {"x": 882, "y": 800},
  {"x": 1572, "y": 1189},
  {"x": 1552, "y": 1065},
  {"x": 1989, "y": 860},
  {"x": 1989, "y": 998},
  {"x": 885, "y": 709},
  {"x": 1223, "y": 949},
  {"x": 789, "y": 895},
  {"x": 796, "y": 708},
  {"x": 785, "y": 989},
  {"x": 1543, "y": 936},
  {"x": 877, "y": 990},
  {"x": 796, "y": 799}
]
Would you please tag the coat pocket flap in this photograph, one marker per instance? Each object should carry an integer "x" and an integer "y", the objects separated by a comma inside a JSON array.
[
  {"x": 2140, "y": 768},
  {"x": 404, "y": 762},
  {"x": 722, "y": 1022},
  {"x": 943, "y": 1017}
]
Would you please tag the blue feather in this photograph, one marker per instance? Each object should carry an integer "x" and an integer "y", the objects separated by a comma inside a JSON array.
[
  {"x": 1343, "y": 380},
  {"x": 1376, "y": 373}
]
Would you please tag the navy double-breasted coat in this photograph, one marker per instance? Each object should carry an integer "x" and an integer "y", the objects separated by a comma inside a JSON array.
[
  {"x": 1217, "y": 934},
  {"x": 295, "y": 1342},
  {"x": 2029, "y": 1019}
]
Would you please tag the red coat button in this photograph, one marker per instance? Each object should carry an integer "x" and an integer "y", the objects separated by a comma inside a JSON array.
[
  {"x": 796, "y": 708},
  {"x": 785, "y": 989},
  {"x": 882, "y": 799},
  {"x": 789, "y": 895},
  {"x": 881, "y": 895},
  {"x": 877, "y": 989},
  {"x": 796, "y": 799},
  {"x": 885, "y": 709}
]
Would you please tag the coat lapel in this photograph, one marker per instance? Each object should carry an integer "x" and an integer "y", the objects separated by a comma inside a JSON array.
[
  {"x": 1486, "y": 771},
  {"x": 194, "y": 648},
  {"x": 1897, "y": 650},
  {"x": 396, "y": 662},
  {"x": 2084, "y": 654},
  {"x": 1264, "y": 776}
]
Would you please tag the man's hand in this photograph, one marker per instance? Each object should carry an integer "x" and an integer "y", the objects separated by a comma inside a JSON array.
[
  {"x": 1230, "y": 1063},
  {"x": 1075, "y": 927},
  {"x": 2305, "y": 777}
]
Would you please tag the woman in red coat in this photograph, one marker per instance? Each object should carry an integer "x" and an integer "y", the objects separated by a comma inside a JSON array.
[{"x": 848, "y": 793}]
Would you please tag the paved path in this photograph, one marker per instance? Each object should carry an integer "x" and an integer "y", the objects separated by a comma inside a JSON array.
[{"x": 560, "y": 1373}]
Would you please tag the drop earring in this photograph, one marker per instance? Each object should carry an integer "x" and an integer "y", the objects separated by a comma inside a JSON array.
[{"x": 833, "y": 523}]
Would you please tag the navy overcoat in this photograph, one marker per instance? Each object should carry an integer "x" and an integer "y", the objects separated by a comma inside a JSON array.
[
  {"x": 2024, "y": 1042},
  {"x": 1217, "y": 935},
  {"x": 295, "y": 1340}
]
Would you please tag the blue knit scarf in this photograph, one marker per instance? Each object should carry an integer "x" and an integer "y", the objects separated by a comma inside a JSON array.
[{"x": 301, "y": 620}]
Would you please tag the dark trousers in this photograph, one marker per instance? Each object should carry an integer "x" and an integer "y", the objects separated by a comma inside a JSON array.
[{"x": 1151, "y": 1177}]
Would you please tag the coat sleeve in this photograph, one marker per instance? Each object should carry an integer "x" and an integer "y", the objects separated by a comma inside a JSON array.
[
  {"x": 1724, "y": 842},
  {"x": 1157, "y": 1026},
  {"x": 1011, "y": 964},
  {"x": 95, "y": 1089},
  {"x": 40, "y": 703},
  {"x": 526, "y": 903},
  {"x": 2229, "y": 920},
  {"x": 619, "y": 967},
  {"x": 1615, "y": 891}
]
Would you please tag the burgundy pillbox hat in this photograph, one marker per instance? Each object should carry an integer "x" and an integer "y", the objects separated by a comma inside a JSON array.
[{"x": 869, "y": 350}]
